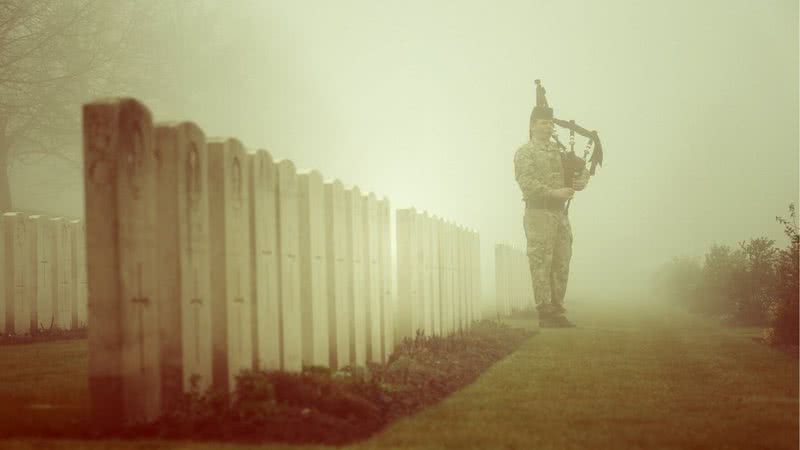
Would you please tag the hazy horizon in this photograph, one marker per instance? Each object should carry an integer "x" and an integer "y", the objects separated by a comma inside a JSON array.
[{"x": 696, "y": 105}]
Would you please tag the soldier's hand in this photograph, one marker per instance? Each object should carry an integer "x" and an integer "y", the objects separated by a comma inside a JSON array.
[
  {"x": 563, "y": 193},
  {"x": 578, "y": 185}
]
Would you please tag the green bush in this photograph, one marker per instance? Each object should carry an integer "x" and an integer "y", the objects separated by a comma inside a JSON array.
[
  {"x": 755, "y": 284},
  {"x": 784, "y": 317}
]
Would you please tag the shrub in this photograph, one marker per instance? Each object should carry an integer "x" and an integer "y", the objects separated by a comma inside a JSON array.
[{"x": 784, "y": 317}]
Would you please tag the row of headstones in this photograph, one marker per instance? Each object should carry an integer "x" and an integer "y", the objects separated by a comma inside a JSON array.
[
  {"x": 205, "y": 260},
  {"x": 514, "y": 289},
  {"x": 42, "y": 274},
  {"x": 438, "y": 276}
]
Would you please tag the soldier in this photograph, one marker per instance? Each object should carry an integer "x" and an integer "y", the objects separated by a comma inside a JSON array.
[{"x": 540, "y": 174}]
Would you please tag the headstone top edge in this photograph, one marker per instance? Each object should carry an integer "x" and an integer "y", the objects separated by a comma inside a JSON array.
[
  {"x": 120, "y": 102},
  {"x": 286, "y": 164},
  {"x": 264, "y": 153},
  {"x": 228, "y": 141},
  {"x": 180, "y": 124},
  {"x": 353, "y": 188},
  {"x": 311, "y": 174},
  {"x": 334, "y": 182}
]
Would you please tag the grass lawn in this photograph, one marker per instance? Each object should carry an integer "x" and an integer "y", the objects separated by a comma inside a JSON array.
[{"x": 631, "y": 376}]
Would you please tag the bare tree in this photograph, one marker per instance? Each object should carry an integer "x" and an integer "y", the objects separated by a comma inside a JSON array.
[{"x": 55, "y": 55}]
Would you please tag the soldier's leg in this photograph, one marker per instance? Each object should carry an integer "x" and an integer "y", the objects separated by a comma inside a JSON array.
[
  {"x": 562, "y": 254},
  {"x": 540, "y": 229}
]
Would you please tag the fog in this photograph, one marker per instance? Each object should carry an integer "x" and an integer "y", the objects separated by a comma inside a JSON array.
[{"x": 426, "y": 102}]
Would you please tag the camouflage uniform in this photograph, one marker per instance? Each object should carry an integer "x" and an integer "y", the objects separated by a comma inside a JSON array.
[{"x": 538, "y": 170}]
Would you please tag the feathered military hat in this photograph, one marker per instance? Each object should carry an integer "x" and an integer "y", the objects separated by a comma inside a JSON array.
[{"x": 542, "y": 110}]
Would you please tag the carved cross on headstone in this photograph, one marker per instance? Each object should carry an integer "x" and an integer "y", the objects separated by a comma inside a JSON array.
[
  {"x": 196, "y": 303},
  {"x": 240, "y": 302},
  {"x": 44, "y": 271},
  {"x": 141, "y": 302}
]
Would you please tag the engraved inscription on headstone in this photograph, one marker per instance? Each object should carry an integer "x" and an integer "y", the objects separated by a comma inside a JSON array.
[
  {"x": 183, "y": 257},
  {"x": 230, "y": 262}
]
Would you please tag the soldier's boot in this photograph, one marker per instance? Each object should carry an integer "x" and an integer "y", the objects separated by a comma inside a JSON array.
[
  {"x": 545, "y": 311},
  {"x": 555, "y": 321},
  {"x": 558, "y": 308}
]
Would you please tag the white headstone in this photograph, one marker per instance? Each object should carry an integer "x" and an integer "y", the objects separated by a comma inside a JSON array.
[
  {"x": 120, "y": 203},
  {"x": 183, "y": 256},
  {"x": 339, "y": 305},
  {"x": 354, "y": 223},
  {"x": 15, "y": 255},
  {"x": 444, "y": 285},
  {"x": 424, "y": 265},
  {"x": 32, "y": 271},
  {"x": 406, "y": 274},
  {"x": 457, "y": 286},
  {"x": 476, "y": 280},
  {"x": 313, "y": 270},
  {"x": 264, "y": 254},
  {"x": 229, "y": 226},
  {"x": 385, "y": 258},
  {"x": 42, "y": 312},
  {"x": 374, "y": 306},
  {"x": 466, "y": 271},
  {"x": 452, "y": 292},
  {"x": 498, "y": 279},
  {"x": 81, "y": 284},
  {"x": 78, "y": 273},
  {"x": 435, "y": 274},
  {"x": 62, "y": 274},
  {"x": 289, "y": 250}
]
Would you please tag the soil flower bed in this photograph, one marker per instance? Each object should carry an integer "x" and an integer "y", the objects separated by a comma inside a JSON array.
[
  {"x": 318, "y": 405},
  {"x": 43, "y": 335}
]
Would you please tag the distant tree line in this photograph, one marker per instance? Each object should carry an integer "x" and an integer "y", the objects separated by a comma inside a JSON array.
[{"x": 755, "y": 284}]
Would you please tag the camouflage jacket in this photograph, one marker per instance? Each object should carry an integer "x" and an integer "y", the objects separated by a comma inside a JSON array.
[{"x": 538, "y": 169}]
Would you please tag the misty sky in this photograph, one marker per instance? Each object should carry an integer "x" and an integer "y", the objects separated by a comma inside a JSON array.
[{"x": 426, "y": 103}]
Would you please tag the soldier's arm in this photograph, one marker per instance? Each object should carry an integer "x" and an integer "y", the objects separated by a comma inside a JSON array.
[{"x": 526, "y": 177}]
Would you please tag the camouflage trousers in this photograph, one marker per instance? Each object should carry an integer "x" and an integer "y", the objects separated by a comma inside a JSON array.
[{"x": 549, "y": 252}]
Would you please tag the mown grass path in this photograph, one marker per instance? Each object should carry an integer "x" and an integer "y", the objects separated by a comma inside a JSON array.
[{"x": 631, "y": 376}]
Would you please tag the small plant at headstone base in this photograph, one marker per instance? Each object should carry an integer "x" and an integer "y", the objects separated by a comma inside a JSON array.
[
  {"x": 322, "y": 406},
  {"x": 44, "y": 334}
]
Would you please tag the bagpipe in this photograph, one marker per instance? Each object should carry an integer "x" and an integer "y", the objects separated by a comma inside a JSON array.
[
  {"x": 573, "y": 164},
  {"x": 593, "y": 144}
]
